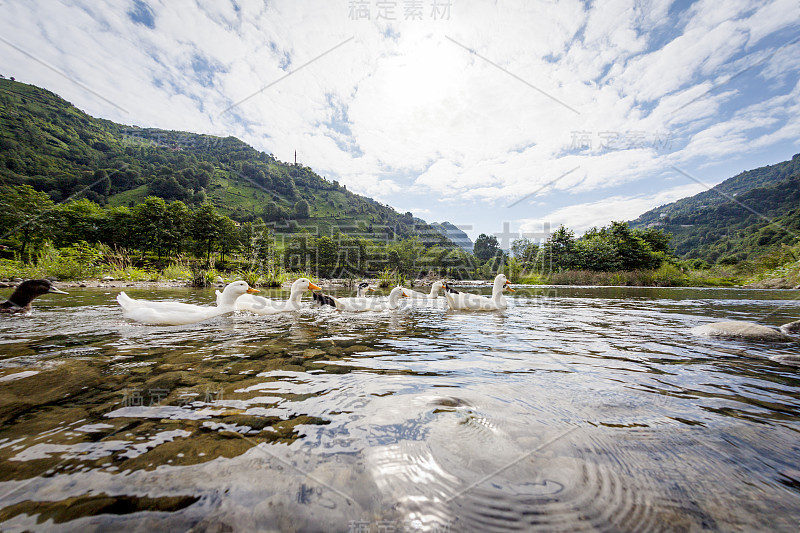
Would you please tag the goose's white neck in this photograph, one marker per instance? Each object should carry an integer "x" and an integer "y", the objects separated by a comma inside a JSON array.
[
  {"x": 435, "y": 288},
  {"x": 228, "y": 298},
  {"x": 394, "y": 297},
  {"x": 296, "y": 294},
  {"x": 497, "y": 291}
]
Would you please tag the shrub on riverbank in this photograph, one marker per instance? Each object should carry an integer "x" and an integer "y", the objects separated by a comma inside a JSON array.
[
  {"x": 667, "y": 275},
  {"x": 391, "y": 278},
  {"x": 271, "y": 277},
  {"x": 634, "y": 278}
]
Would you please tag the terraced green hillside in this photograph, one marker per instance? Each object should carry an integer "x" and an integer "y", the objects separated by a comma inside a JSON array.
[{"x": 51, "y": 145}]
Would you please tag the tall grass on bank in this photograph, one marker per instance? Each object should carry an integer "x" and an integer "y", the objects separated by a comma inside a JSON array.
[
  {"x": 180, "y": 269},
  {"x": 634, "y": 278},
  {"x": 268, "y": 277},
  {"x": 778, "y": 269},
  {"x": 668, "y": 275},
  {"x": 391, "y": 278}
]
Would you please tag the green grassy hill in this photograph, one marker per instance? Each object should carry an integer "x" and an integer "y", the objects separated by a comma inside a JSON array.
[
  {"x": 758, "y": 213},
  {"x": 49, "y": 144}
]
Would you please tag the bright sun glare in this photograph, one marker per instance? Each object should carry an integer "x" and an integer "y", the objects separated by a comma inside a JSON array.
[{"x": 421, "y": 76}]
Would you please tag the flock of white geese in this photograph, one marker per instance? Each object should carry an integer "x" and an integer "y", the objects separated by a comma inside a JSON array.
[{"x": 239, "y": 296}]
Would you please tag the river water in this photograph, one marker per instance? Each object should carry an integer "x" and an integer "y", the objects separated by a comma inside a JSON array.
[{"x": 576, "y": 409}]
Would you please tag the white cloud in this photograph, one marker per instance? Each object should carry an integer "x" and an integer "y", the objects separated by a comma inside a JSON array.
[
  {"x": 402, "y": 110},
  {"x": 581, "y": 217}
]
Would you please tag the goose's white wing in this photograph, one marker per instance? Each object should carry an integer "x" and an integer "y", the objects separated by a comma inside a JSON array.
[
  {"x": 262, "y": 306},
  {"x": 172, "y": 318},
  {"x": 166, "y": 313},
  {"x": 467, "y": 301},
  {"x": 128, "y": 304},
  {"x": 416, "y": 294},
  {"x": 358, "y": 305}
]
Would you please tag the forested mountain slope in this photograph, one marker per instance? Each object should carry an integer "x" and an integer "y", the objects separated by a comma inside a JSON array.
[
  {"x": 53, "y": 146},
  {"x": 758, "y": 212}
]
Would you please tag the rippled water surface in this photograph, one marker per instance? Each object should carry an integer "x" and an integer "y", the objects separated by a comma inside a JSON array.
[{"x": 577, "y": 409}]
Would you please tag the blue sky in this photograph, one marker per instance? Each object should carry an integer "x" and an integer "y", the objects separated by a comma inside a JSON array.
[{"x": 525, "y": 113}]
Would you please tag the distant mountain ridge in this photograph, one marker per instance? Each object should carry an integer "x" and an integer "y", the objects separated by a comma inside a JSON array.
[
  {"x": 741, "y": 218},
  {"x": 51, "y": 145},
  {"x": 455, "y": 234}
]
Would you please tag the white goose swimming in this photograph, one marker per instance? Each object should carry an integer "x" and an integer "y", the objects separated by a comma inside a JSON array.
[
  {"x": 475, "y": 302},
  {"x": 178, "y": 313},
  {"x": 357, "y": 305},
  {"x": 435, "y": 288},
  {"x": 263, "y": 306}
]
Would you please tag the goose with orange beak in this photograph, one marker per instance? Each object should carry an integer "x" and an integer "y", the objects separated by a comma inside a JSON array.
[
  {"x": 262, "y": 306},
  {"x": 462, "y": 301},
  {"x": 169, "y": 313}
]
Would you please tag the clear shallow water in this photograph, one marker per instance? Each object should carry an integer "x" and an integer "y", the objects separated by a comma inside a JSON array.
[{"x": 577, "y": 409}]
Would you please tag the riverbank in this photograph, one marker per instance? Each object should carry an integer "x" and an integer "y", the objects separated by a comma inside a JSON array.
[
  {"x": 786, "y": 276},
  {"x": 746, "y": 275},
  {"x": 570, "y": 278}
]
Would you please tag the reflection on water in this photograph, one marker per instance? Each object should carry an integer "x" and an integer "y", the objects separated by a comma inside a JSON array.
[{"x": 577, "y": 409}]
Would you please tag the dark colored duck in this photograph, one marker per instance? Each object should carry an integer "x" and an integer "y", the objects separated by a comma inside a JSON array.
[
  {"x": 324, "y": 299},
  {"x": 448, "y": 288},
  {"x": 20, "y": 301}
]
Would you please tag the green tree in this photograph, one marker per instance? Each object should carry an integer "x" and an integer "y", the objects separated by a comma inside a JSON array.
[
  {"x": 596, "y": 253},
  {"x": 656, "y": 238},
  {"x": 118, "y": 227},
  {"x": 486, "y": 247},
  {"x": 151, "y": 224},
  {"x": 298, "y": 255},
  {"x": 177, "y": 218},
  {"x": 257, "y": 244},
  {"x": 514, "y": 269},
  {"x": 101, "y": 184},
  {"x": 633, "y": 251},
  {"x": 558, "y": 253},
  {"x": 326, "y": 256},
  {"x": 247, "y": 242},
  {"x": 434, "y": 258},
  {"x": 167, "y": 187},
  {"x": 526, "y": 251},
  {"x": 205, "y": 229},
  {"x": 227, "y": 238},
  {"x": 24, "y": 217},
  {"x": 302, "y": 209},
  {"x": 403, "y": 255},
  {"x": 272, "y": 212},
  {"x": 76, "y": 221}
]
